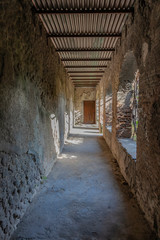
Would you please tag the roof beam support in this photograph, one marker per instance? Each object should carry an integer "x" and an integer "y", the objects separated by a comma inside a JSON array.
[
  {"x": 85, "y": 85},
  {"x": 70, "y": 72},
  {"x": 84, "y": 35},
  {"x": 85, "y": 79},
  {"x": 86, "y": 50},
  {"x": 83, "y": 76},
  {"x": 94, "y": 66},
  {"x": 85, "y": 59},
  {"x": 84, "y": 11},
  {"x": 80, "y": 83}
]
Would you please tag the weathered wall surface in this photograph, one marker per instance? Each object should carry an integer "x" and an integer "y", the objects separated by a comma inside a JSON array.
[
  {"x": 124, "y": 114},
  {"x": 108, "y": 104},
  {"x": 35, "y": 100},
  {"x": 125, "y": 95},
  {"x": 141, "y": 36},
  {"x": 101, "y": 105},
  {"x": 80, "y": 95}
]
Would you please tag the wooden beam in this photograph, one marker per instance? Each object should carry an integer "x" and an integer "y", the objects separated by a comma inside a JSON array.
[
  {"x": 81, "y": 80},
  {"x": 70, "y": 72},
  {"x": 84, "y": 11},
  {"x": 85, "y": 85},
  {"x": 84, "y": 35},
  {"x": 86, "y": 50},
  {"x": 84, "y": 59},
  {"x": 94, "y": 66},
  {"x": 84, "y": 76},
  {"x": 95, "y": 84},
  {"x": 86, "y": 79}
]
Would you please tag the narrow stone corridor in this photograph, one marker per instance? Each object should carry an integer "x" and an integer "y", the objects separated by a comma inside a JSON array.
[{"x": 84, "y": 197}]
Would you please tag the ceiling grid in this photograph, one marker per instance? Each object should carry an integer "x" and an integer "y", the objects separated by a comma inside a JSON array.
[{"x": 84, "y": 33}]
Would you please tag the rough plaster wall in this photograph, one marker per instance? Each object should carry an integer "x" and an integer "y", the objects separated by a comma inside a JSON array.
[
  {"x": 82, "y": 94},
  {"x": 34, "y": 101},
  {"x": 142, "y": 36}
]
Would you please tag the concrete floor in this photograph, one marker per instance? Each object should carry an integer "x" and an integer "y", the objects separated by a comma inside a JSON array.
[{"x": 84, "y": 198}]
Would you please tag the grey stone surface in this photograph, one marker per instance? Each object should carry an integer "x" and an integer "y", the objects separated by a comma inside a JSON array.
[
  {"x": 84, "y": 197},
  {"x": 35, "y": 100},
  {"x": 109, "y": 128},
  {"x": 130, "y": 145},
  {"x": 140, "y": 37}
]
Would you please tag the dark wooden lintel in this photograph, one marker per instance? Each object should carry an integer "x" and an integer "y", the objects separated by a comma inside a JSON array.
[
  {"x": 86, "y": 50},
  {"x": 85, "y": 79},
  {"x": 85, "y": 11},
  {"x": 70, "y": 72},
  {"x": 85, "y": 59},
  {"x": 84, "y": 35},
  {"x": 97, "y": 66},
  {"x": 85, "y": 85},
  {"x": 82, "y": 80},
  {"x": 84, "y": 76}
]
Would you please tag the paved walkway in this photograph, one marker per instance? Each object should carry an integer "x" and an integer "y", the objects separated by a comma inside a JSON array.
[{"x": 84, "y": 198}]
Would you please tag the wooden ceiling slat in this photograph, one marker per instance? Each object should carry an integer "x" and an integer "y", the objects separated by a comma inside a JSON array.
[{"x": 84, "y": 33}]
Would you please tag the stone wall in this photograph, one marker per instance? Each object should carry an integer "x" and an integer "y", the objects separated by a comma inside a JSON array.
[
  {"x": 100, "y": 103},
  {"x": 141, "y": 36},
  {"x": 35, "y": 108},
  {"x": 80, "y": 95},
  {"x": 101, "y": 107},
  {"x": 125, "y": 94},
  {"x": 108, "y": 105},
  {"x": 124, "y": 114}
]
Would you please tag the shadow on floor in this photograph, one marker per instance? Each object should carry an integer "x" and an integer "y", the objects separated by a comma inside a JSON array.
[{"x": 84, "y": 198}]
